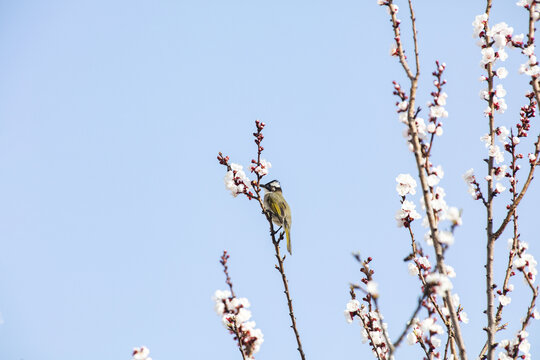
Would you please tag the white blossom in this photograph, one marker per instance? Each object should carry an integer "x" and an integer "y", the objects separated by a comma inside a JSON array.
[
  {"x": 503, "y": 55},
  {"x": 469, "y": 176},
  {"x": 478, "y": 24},
  {"x": 438, "y": 112},
  {"x": 503, "y": 133},
  {"x": 518, "y": 38},
  {"x": 372, "y": 288},
  {"x": 405, "y": 185},
  {"x": 525, "y": 346},
  {"x": 450, "y": 272},
  {"x": 141, "y": 353},
  {"x": 424, "y": 262},
  {"x": 440, "y": 282},
  {"x": 353, "y": 305},
  {"x": 403, "y": 105},
  {"x": 500, "y": 91},
  {"x": 502, "y": 172},
  {"x": 408, "y": 210},
  {"x": 499, "y": 32},
  {"x": 504, "y": 300},
  {"x": 529, "y": 50},
  {"x": 261, "y": 169},
  {"x": 238, "y": 173},
  {"x": 496, "y": 153},
  {"x": 433, "y": 180},
  {"x": 501, "y": 104},
  {"x": 446, "y": 237},
  {"x": 464, "y": 317},
  {"x": 499, "y": 187},
  {"x": 484, "y": 94},
  {"x": 436, "y": 341},
  {"x": 413, "y": 269},
  {"x": 501, "y": 72},
  {"x": 486, "y": 139},
  {"x": 235, "y": 315},
  {"x": 441, "y": 99},
  {"x": 488, "y": 55},
  {"x": 412, "y": 338},
  {"x": 453, "y": 214}
]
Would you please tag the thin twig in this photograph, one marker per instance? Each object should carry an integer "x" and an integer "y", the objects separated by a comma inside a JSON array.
[{"x": 281, "y": 268}]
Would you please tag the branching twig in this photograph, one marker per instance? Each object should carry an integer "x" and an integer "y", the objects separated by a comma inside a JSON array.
[{"x": 420, "y": 163}]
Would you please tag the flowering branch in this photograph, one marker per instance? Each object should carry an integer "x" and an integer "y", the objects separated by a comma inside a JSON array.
[
  {"x": 235, "y": 315},
  {"x": 369, "y": 313},
  {"x": 238, "y": 183},
  {"x": 421, "y": 155},
  {"x": 498, "y": 37}
]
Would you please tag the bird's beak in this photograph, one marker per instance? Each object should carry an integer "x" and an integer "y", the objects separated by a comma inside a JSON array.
[{"x": 264, "y": 186}]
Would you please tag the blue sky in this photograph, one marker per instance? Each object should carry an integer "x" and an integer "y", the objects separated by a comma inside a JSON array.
[{"x": 113, "y": 211}]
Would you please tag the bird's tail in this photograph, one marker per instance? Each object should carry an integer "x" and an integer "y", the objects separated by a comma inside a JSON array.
[{"x": 288, "y": 234}]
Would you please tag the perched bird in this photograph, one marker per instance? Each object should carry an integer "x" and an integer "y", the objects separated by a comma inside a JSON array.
[{"x": 275, "y": 204}]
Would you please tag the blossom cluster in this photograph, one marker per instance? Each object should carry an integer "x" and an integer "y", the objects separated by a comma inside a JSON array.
[
  {"x": 493, "y": 42},
  {"x": 407, "y": 213},
  {"x": 434, "y": 285},
  {"x": 236, "y": 180},
  {"x": 425, "y": 331},
  {"x": 374, "y": 330},
  {"x": 372, "y": 327},
  {"x": 260, "y": 168},
  {"x": 524, "y": 261},
  {"x": 235, "y": 317},
  {"x": 425, "y": 132},
  {"x": 473, "y": 185},
  {"x": 513, "y": 348},
  {"x": 141, "y": 353},
  {"x": 436, "y": 106}
]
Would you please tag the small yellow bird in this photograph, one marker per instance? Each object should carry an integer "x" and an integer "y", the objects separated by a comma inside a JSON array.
[{"x": 275, "y": 203}]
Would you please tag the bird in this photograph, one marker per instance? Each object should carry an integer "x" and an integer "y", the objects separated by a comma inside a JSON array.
[{"x": 275, "y": 204}]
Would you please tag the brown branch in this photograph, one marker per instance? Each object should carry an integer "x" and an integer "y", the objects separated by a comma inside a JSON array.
[
  {"x": 416, "y": 55},
  {"x": 425, "y": 188},
  {"x": 491, "y": 326},
  {"x": 397, "y": 37},
  {"x": 281, "y": 268},
  {"x": 228, "y": 280}
]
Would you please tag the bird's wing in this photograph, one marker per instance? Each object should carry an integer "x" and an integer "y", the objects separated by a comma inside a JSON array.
[{"x": 275, "y": 207}]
